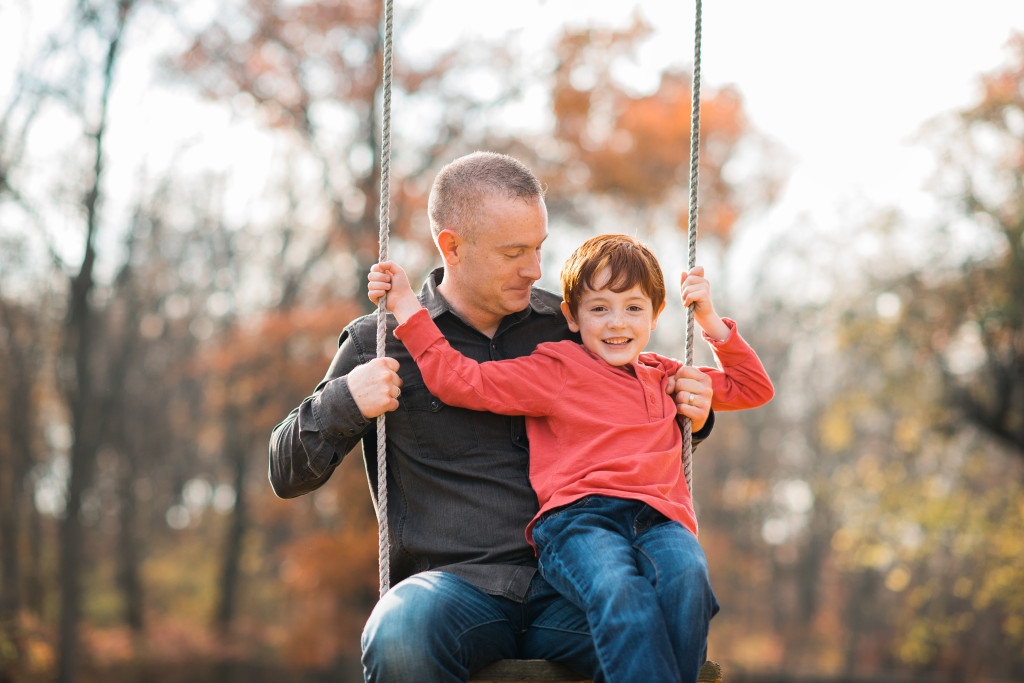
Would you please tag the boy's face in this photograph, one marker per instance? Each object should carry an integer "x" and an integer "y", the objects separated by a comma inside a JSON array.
[{"x": 614, "y": 325}]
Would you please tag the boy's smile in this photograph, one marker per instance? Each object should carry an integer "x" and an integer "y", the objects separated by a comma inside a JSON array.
[{"x": 615, "y": 326}]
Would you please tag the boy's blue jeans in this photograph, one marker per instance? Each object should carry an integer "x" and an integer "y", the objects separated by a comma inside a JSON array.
[
  {"x": 435, "y": 627},
  {"x": 642, "y": 581}
]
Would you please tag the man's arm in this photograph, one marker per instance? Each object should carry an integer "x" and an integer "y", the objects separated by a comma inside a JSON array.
[{"x": 307, "y": 446}]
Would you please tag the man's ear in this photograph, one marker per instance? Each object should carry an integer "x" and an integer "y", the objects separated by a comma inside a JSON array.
[
  {"x": 654, "y": 320},
  {"x": 568, "y": 318},
  {"x": 449, "y": 244}
]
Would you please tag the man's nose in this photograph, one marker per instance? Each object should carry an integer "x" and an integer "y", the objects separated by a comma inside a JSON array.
[{"x": 531, "y": 269}]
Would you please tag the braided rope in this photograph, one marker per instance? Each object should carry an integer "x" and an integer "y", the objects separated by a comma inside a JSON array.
[
  {"x": 692, "y": 233},
  {"x": 385, "y": 212}
]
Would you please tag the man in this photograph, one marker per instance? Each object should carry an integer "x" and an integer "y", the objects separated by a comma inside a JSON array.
[{"x": 465, "y": 588}]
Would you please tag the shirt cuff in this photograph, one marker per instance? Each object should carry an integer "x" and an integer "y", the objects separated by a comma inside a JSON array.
[{"x": 335, "y": 419}]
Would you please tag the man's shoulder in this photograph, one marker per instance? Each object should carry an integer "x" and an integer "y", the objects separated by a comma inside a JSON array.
[
  {"x": 362, "y": 325},
  {"x": 362, "y": 332},
  {"x": 546, "y": 303}
]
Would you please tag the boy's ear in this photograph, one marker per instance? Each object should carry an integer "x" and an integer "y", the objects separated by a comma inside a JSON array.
[
  {"x": 568, "y": 318},
  {"x": 654, "y": 320},
  {"x": 448, "y": 243}
]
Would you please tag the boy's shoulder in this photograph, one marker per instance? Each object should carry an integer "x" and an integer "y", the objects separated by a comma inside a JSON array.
[{"x": 655, "y": 360}]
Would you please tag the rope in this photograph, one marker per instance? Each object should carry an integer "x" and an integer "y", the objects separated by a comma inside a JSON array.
[
  {"x": 385, "y": 212},
  {"x": 692, "y": 233}
]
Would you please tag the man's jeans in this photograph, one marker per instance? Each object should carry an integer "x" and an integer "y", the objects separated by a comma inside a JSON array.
[
  {"x": 435, "y": 627},
  {"x": 642, "y": 581}
]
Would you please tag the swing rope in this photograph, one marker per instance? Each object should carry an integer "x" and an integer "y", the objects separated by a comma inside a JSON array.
[
  {"x": 385, "y": 212},
  {"x": 692, "y": 232}
]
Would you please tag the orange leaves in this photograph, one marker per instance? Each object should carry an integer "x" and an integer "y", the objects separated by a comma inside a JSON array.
[
  {"x": 637, "y": 147},
  {"x": 331, "y": 578}
]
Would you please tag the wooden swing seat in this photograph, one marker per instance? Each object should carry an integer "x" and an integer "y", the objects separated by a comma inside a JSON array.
[{"x": 543, "y": 671}]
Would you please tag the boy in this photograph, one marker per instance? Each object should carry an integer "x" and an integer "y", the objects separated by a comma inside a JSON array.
[{"x": 616, "y": 531}]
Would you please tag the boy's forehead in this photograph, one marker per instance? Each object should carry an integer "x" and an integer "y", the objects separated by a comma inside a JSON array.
[{"x": 602, "y": 291}]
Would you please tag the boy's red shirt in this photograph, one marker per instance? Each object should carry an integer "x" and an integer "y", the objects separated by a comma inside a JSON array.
[{"x": 594, "y": 428}]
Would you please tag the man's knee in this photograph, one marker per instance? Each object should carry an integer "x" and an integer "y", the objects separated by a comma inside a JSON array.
[
  {"x": 397, "y": 638},
  {"x": 431, "y": 627}
]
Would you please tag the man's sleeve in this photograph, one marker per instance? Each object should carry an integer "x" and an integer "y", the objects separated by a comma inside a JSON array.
[
  {"x": 697, "y": 437},
  {"x": 307, "y": 446}
]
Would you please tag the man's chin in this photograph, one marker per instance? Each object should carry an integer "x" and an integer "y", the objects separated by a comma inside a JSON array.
[{"x": 518, "y": 301}]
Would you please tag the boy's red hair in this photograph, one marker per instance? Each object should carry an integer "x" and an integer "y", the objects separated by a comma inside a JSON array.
[{"x": 628, "y": 260}]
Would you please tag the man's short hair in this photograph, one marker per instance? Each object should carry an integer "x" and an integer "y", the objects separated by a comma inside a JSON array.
[
  {"x": 628, "y": 260},
  {"x": 461, "y": 187}
]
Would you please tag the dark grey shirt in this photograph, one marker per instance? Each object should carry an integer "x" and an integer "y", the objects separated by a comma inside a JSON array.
[{"x": 459, "y": 495}]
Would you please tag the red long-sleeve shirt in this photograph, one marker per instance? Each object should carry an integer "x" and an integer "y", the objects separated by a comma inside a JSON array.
[{"x": 594, "y": 428}]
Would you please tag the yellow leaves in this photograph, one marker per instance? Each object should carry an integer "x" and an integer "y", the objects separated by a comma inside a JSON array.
[
  {"x": 836, "y": 431},
  {"x": 898, "y": 579},
  {"x": 907, "y": 433}
]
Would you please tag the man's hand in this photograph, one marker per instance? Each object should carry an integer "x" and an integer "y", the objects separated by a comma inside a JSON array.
[
  {"x": 375, "y": 386},
  {"x": 692, "y": 391}
]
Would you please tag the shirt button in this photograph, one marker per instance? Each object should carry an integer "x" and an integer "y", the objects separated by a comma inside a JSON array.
[{"x": 435, "y": 404}]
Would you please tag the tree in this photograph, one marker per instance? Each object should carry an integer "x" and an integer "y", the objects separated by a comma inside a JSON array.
[{"x": 917, "y": 433}]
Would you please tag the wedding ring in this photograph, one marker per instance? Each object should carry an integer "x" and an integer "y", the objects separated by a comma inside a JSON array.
[{"x": 692, "y": 397}]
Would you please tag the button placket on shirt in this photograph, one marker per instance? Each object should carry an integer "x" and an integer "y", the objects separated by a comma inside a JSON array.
[{"x": 646, "y": 376}]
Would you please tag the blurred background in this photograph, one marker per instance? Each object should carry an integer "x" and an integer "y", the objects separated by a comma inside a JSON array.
[{"x": 188, "y": 208}]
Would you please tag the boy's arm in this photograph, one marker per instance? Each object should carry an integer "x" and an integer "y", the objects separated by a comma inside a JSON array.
[
  {"x": 740, "y": 381},
  {"x": 527, "y": 385},
  {"x": 508, "y": 387}
]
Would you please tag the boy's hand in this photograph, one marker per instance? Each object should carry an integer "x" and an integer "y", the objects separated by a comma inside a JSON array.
[
  {"x": 697, "y": 291},
  {"x": 388, "y": 278}
]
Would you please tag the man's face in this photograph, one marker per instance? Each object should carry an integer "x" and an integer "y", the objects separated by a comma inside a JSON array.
[{"x": 500, "y": 260}]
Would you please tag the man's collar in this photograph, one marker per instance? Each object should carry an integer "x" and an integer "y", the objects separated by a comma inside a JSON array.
[{"x": 541, "y": 301}]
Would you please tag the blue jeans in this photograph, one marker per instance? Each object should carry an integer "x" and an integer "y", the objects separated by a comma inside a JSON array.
[
  {"x": 642, "y": 581},
  {"x": 435, "y": 627}
]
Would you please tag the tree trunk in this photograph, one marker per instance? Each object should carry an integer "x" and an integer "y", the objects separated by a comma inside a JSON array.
[
  {"x": 236, "y": 452},
  {"x": 86, "y": 415},
  {"x": 10, "y": 495}
]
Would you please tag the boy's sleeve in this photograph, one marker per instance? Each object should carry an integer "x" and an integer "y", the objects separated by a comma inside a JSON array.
[
  {"x": 740, "y": 380},
  {"x": 518, "y": 386}
]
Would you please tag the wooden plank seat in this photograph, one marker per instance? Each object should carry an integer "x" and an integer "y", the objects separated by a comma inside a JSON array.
[{"x": 543, "y": 671}]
